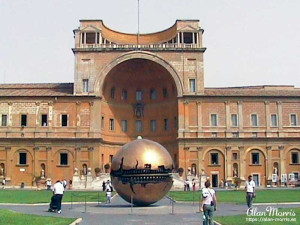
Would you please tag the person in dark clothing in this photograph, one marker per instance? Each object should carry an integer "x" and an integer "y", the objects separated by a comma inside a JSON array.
[{"x": 103, "y": 186}]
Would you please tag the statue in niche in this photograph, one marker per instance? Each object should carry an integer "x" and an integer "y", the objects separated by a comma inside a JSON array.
[
  {"x": 75, "y": 171},
  {"x": 43, "y": 173},
  {"x": 189, "y": 171},
  {"x": 275, "y": 170},
  {"x": 235, "y": 174},
  {"x": 193, "y": 170}
]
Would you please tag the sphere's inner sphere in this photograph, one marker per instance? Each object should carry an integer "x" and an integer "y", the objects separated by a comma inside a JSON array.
[
  {"x": 142, "y": 176},
  {"x": 141, "y": 172}
]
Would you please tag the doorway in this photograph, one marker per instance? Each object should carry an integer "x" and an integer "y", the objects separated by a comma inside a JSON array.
[
  {"x": 215, "y": 180},
  {"x": 256, "y": 180}
]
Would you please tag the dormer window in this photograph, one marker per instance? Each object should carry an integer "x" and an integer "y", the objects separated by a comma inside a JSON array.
[
  {"x": 90, "y": 38},
  {"x": 188, "y": 38}
]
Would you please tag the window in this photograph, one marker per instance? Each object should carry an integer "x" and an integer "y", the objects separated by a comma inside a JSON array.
[
  {"x": 139, "y": 95},
  {"x": 235, "y": 156},
  {"x": 64, "y": 120},
  {"x": 152, "y": 94},
  {"x": 4, "y": 120},
  {"x": 124, "y": 95},
  {"x": 23, "y": 120},
  {"x": 90, "y": 38},
  {"x": 44, "y": 120},
  {"x": 111, "y": 158},
  {"x": 166, "y": 124},
  {"x": 214, "y": 158},
  {"x": 63, "y": 159},
  {"x": 274, "y": 122},
  {"x": 112, "y": 92},
  {"x": 139, "y": 126},
  {"x": 187, "y": 37},
  {"x": 254, "y": 134},
  {"x": 22, "y": 158},
  {"x": 153, "y": 125},
  {"x": 124, "y": 125},
  {"x": 102, "y": 122},
  {"x": 111, "y": 124},
  {"x": 254, "y": 120},
  {"x": 214, "y": 134},
  {"x": 214, "y": 120},
  {"x": 85, "y": 85},
  {"x": 235, "y": 134},
  {"x": 255, "y": 158},
  {"x": 234, "y": 120},
  {"x": 295, "y": 158},
  {"x": 192, "y": 85},
  {"x": 296, "y": 176},
  {"x": 293, "y": 120},
  {"x": 165, "y": 92}
]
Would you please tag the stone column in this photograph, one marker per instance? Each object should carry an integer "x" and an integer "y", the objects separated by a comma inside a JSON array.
[
  {"x": 269, "y": 163},
  {"x": 280, "y": 119},
  {"x": 199, "y": 118},
  {"x": 227, "y": 118},
  {"x": 240, "y": 118},
  {"x": 193, "y": 38},
  {"x": 49, "y": 166},
  {"x": 182, "y": 40},
  {"x": 200, "y": 162},
  {"x": 282, "y": 160},
  {"x": 180, "y": 118},
  {"x": 10, "y": 114},
  {"x": 50, "y": 113},
  {"x": 178, "y": 39},
  {"x": 78, "y": 114},
  {"x": 37, "y": 115},
  {"x": 186, "y": 119},
  {"x": 100, "y": 38},
  {"x": 9, "y": 163},
  {"x": 267, "y": 104},
  {"x": 228, "y": 164},
  {"x": 77, "y": 157},
  {"x": 242, "y": 163}
]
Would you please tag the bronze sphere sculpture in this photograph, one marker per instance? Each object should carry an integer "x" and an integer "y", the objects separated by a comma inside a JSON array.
[{"x": 141, "y": 171}]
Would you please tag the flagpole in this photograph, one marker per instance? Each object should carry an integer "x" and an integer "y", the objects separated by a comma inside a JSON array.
[{"x": 138, "y": 32}]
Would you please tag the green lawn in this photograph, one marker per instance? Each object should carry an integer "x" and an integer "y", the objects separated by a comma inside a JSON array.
[
  {"x": 263, "y": 196},
  {"x": 31, "y": 196},
  {"x": 15, "y": 218},
  {"x": 241, "y": 219}
]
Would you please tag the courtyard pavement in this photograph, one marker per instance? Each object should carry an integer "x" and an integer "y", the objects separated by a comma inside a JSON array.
[{"x": 120, "y": 212}]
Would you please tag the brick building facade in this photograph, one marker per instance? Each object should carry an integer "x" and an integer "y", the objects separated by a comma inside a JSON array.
[{"x": 149, "y": 85}]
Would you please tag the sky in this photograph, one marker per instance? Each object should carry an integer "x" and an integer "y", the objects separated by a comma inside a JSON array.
[{"x": 249, "y": 42}]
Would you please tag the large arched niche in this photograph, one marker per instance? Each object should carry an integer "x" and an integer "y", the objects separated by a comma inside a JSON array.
[
  {"x": 100, "y": 79},
  {"x": 134, "y": 75}
]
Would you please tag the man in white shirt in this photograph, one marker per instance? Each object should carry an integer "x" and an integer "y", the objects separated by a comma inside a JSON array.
[
  {"x": 58, "y": 191},
  {"x": 209, "y": 203},
  {"x": 250, "y": 191}
]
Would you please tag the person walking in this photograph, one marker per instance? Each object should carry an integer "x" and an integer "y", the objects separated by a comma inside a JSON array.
[
  {"x": 3, "y": 183},
  {"x": 194, "y": 184},
  {"x": 209, "y": 204},
  {"x": 103, "y": 186},
  {"x": 250, "y": 192},
  {"x": 58, "y": 191}
]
